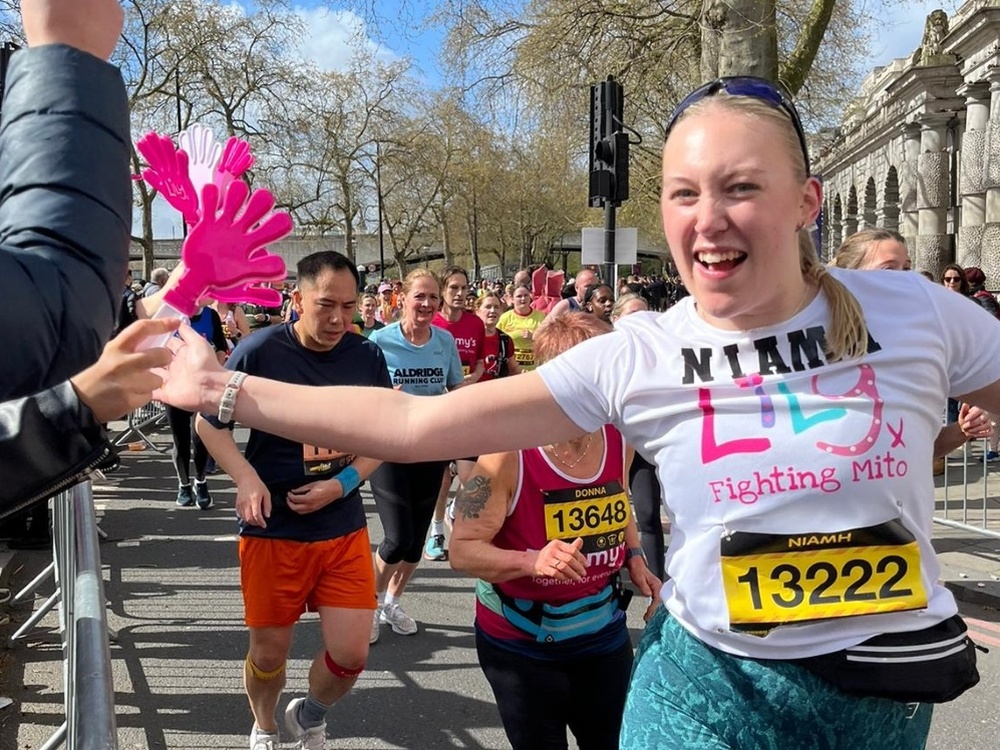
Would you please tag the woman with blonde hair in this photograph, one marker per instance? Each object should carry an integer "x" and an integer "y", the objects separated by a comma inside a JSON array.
[
  {"x": 423, "y": 361},
  {"x": 550, "y": 623},
  {"x": 520, "y": 323},
  {"x": 792, "y": 429},
  {"x": 873, "y": 249}
]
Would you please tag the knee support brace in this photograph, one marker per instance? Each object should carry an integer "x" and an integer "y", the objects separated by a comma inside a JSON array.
[
  {"x": 260, "y": 674},
  {"x": 342, "y": 672}
]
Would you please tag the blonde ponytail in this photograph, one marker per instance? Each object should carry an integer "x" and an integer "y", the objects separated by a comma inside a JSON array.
[{"x": 847, "y": 336}]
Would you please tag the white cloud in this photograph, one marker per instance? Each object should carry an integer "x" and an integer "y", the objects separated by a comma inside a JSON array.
[
  {"x": 902, "y": 28},
  {"x": 334, "y": 37}
]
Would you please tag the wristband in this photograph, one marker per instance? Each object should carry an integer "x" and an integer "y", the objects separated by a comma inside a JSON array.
[
  {"x": 349, "y": 480},
  {"x": 635, "y": 552},
  {"x": 228, "y": 402}
]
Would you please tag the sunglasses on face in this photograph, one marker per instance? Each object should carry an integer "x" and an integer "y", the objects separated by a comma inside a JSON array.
[
  {"x": 753, "y": 87},
  {"x": 950, "y": 279}
]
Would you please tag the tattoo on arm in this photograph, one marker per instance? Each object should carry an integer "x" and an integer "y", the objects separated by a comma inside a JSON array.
[{"x": 472, "y": 496}]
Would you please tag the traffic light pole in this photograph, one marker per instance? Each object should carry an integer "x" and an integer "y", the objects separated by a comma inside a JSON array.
[
  {"x": 608, "y": 164},
  {"x": 610, "y": 267}
]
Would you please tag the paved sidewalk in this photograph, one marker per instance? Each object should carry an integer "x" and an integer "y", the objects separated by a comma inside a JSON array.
[
  {"x": 970, "y": 560},
  {"x": 172, "y": 583},
  {"x": 171, "y": 579}
]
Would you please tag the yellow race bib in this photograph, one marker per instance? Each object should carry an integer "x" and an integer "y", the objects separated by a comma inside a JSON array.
[
  {"x": 599, "y": 514},
  {"x": 776, "y": 579}
]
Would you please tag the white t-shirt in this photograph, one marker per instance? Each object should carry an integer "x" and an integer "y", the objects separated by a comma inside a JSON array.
[{"x": 755, "y": 432}]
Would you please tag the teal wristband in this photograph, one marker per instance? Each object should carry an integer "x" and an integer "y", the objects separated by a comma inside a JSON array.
[{"x": 349, "y": 480}]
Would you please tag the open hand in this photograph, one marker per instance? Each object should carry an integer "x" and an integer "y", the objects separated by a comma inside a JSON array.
[
  {"x": 121, "y": 380},
  {"x": 194, "y": 359}
]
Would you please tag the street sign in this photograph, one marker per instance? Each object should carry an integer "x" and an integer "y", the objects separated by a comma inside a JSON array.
[{"x": 626, "y": 246}]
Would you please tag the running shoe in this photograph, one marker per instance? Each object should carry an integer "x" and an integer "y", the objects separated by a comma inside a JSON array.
[
  {"x": 313, "y": 738},
  {"x": 402, "y": 623},
  {"x": 260, "y": 740},
  {"x": 185, "y": 496},
  {"x": 434, "y": 549},
  {"x": 376, "y": 624},
  {"x": 202, "y": 495},
  {"x": 992, "y": 456}
]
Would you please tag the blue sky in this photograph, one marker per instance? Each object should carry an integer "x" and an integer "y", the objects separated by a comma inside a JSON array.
[
  {"x": 397, "y": 31},
  {"x": 904, "y": 28}
]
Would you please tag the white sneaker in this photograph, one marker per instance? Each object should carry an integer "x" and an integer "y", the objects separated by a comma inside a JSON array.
[
  {"x": 313, "y": 738},
  {"x": 260, "y": 740},
  {"x": 402, "y": 623},
  {"x": 376, "y": 624}
]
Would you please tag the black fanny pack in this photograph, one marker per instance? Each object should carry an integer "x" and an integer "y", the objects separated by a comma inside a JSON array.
[{"x": 935, "y": 665}]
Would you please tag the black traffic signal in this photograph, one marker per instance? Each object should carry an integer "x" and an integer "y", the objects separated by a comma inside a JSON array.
[{"x": 608, "y": 145}]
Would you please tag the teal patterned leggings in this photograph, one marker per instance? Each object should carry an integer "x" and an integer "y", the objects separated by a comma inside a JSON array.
[{"x": 689, "y": 696}]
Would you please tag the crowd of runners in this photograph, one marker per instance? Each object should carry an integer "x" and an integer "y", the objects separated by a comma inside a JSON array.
[{"x": 783, "y": 415}]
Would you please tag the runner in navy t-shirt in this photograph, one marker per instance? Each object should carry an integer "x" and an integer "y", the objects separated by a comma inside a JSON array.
[{"x": 303, "y": 533}]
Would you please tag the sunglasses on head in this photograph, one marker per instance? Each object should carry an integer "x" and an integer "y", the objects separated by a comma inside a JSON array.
[{"x": 753, "y": 87}]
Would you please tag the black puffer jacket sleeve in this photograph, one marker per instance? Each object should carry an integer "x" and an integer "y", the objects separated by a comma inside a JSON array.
[
  {"x": 65, "y": 214},
  {"x": 47, "y": 442}
]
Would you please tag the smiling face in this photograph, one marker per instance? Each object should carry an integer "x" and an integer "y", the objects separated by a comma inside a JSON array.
[
  {"x": 732, "y": 204},
  {"x": 421, "y": 301},
  {"x": 326, "y": 307},
  {"x": 369, "y": 305}
]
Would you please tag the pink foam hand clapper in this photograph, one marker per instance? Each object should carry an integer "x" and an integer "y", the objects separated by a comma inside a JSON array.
[
  {"x": 235, "y": 161},
  {"x": 204, "y": 154},
  {"x": 264, "y": 296},
  {"x": 225, "y": 254},
  {"x": 168, "y": 174}
]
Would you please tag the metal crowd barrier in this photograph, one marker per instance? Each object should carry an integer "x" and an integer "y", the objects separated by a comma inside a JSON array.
[
  {"x": 142, "y": 420},
  {"x": 88, "y": 690},
  {"x": 966, "y": 501}
]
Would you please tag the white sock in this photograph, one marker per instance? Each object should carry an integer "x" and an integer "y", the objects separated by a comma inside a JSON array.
[
  {"x": 380, "y": 598},
  {"x": 437, "y": 528},
  {"x": 390, "y": 599}
]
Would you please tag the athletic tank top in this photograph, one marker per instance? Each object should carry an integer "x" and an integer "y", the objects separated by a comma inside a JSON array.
[{"x": 549, "y": 504}]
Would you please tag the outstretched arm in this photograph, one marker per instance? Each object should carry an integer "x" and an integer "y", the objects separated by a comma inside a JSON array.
[{"x": 521, "y": 411}]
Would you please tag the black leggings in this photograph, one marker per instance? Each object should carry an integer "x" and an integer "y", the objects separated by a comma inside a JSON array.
[
  {"x": 645, "y": 488},
  {"x": 405, "y": 496},
  {"x": 182, "y": 426},
  {"x": 538, "y": 700}
]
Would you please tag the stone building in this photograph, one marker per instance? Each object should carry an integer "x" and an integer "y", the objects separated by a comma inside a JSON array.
[{"x": 919, "y": 148}]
